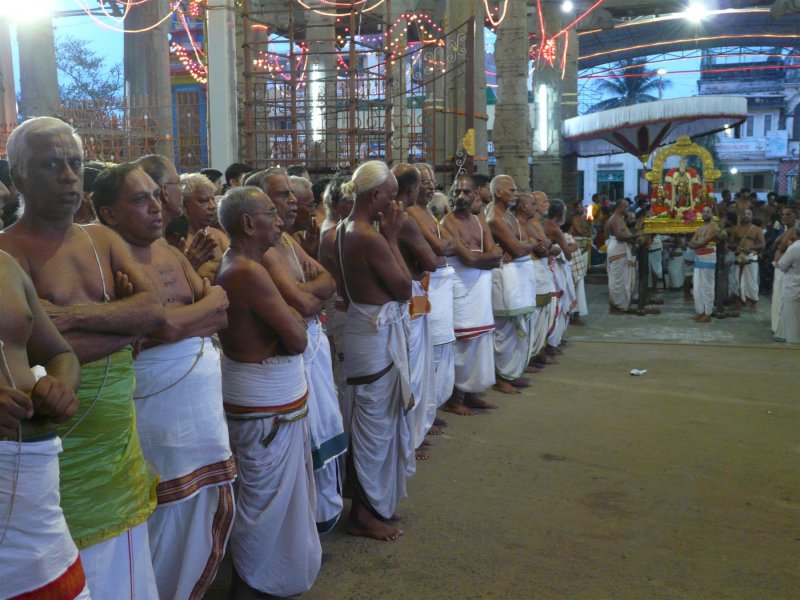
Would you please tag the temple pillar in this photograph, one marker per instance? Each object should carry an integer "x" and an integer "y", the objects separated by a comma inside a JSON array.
[
  {"x": 223, "y": 140},
  {"x": 322, "y": 125},
  {"x": 547, "y": 109},
  {"x": 147, "y": 84},
  {"x": 512, "y": 128},
  {"x": 569, "y": 109},
  {"x": 38, "y": 77}
]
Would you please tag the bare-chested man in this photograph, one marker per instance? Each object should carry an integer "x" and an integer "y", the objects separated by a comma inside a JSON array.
[
  {"x": 305, "y": 285},
  {"x": 178, "y": 394},
  {"x": 619, "y": 262},
  {"x": 305, "y": 228},
  {"x": 421, "y": 260},
  {"x": 29, "y": 499},
  {"x": 163, "y": 172},
  {"x": 535, "y": 210},
  {"x": 565, "y": 287},
  {"x": 513, "y": 289},
  {"x": 200, "y": 206},
  {"x": 747, "y": 241},
  {"x": 107, "y": 490},
  {"x": 377, "y": 286},
  {"x": 338, "y": 205},
  {"x": 483, "y": 192},
  {"x": 440, "y": 293},
  {"x": 704, "y": 243},
  {"x": 475, "y": 256},
  {"x": 274, "y": 544}
]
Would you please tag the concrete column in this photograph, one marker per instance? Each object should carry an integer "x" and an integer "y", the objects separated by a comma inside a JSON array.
[
  {"x": 511, "y": 123},
  {"x": 8, "y": 93},
  {"x": 147, "y": 84},
  {"x": 38, "y": 77},
  {"x": 222, "y": 101},
  {"x": 459, "y": 11},
  {"x": 547, "y": 88}
]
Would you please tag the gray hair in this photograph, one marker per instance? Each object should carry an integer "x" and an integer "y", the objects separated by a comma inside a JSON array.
[
  {"x": 438, "y": 205},
  {"x": 495, "y": 181},
  {"x": 236, "y": 202},
  {"x": 557, "y": 208},
  {"x": 257, "y": 179},
  {"x": 300, "y": 182},
  {"x": 19, "y": 140},
  {"x": 369, "y": 176},
  {"x": 156, "y": 166},
  {"x": 194, "y": 183}
]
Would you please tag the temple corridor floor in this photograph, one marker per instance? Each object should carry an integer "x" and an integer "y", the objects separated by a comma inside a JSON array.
[{"x": 682, "y": 483}]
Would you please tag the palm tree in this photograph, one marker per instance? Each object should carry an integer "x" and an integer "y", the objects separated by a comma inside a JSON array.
[{"x": 634, "y": 88}]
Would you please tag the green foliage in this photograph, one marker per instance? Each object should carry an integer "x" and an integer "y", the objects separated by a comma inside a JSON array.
[
  {"x": 639, "y": 85},
  {"x": 90, "y": 77}
]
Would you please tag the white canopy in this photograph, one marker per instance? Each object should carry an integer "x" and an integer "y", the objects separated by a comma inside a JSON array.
[{"x": 641, "y": 128}]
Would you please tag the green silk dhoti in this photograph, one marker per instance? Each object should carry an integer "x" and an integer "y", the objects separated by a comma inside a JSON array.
[{"x": 106, "y": 485}]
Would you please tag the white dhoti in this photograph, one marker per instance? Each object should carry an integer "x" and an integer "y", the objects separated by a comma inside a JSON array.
[
  {"x": 655, "y": 259},
  {"x": 473, "y": 324},
  {"x": 121, "y": 567},
  {"x": 182, "y": 429},
  {"x": 513, "y": 302},
  {"x": 443, "y": 337},
  {"x": 38, "y": 553},
  {"x": 688, "y": 262},
  {"x": 705, "y": 264},
  {"x": 675, "y": 270},
  {"x": 420, "y": 362},
  {"x": 328, "y": 440},
  {"x": 376, "y": 338},
  {"x": 789, "y": 264},
  {"x": 747, "y": 275},
  {"x": 791, "y": 318},
  {"x": 733, "y": 275},
  {"x": 563, "y": 299},
  {"x": 274, "y": 543},
  {"x": 546, "y": 301},
  {"x": 620, "y": 273},
  {"x": 777, "y": 301}
]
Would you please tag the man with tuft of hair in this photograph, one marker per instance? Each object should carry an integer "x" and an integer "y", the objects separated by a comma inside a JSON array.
[
  {"x": 274, "y": 543},
  {"x": 83, "y": 274},
  {"x": 377, "y": 284}
]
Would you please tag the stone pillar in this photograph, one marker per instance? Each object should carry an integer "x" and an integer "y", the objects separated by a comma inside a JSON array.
[
  {"x": 38, "y": 77},
  {"x": 547, "y": 88},
  {"x": 147, "y": 84},
  {"x": 473, "y": 83},
  {"x": 8, "y": 94},
  {"x": 222, "y": 102},
  {"x": 512, "y": 127},
  {"x": 569, "y": 109}
]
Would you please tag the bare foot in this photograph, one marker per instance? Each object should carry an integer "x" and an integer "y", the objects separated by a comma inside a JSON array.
[
  {"x": 703, "y": 319},
  {"x": 520, "y": 382},
  {"x": 426, "y": 444},
  {"x": 552, "y": 350},
  {"x": 504, "y": 386},
  {"x": 533, "y": 369},
  {"x": 457, "y": 408},
  {"x": 440, "y": 422},
  {"x": 434, "y": 430},
  {"x": 362, "y": 523},
  {"x": 473, "y": 401},
  {"x": 421, "y": 455}
]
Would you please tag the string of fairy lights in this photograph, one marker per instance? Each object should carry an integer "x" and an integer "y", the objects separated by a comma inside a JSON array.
[{"x": 545, "y": 48}]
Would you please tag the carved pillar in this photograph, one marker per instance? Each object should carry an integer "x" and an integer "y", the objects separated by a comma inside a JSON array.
[{"x": 38, "y": 78}]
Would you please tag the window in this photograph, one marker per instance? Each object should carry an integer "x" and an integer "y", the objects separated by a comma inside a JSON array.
[
  {"x": 767, "y": 124},
  {"x": 750, "y": 126}
]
